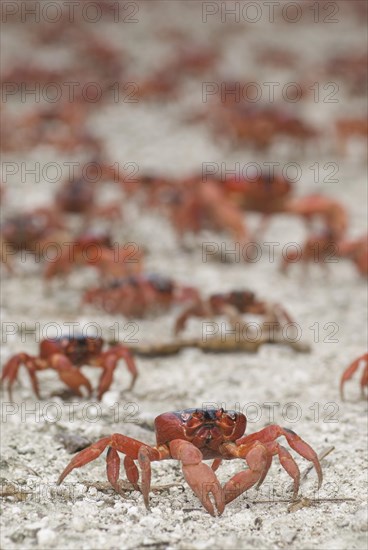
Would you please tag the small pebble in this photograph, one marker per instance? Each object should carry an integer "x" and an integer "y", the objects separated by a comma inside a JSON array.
[{"x": 46, "y": 537}]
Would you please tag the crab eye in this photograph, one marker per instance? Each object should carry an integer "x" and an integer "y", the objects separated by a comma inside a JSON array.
[{"x": 185, "y": 416}]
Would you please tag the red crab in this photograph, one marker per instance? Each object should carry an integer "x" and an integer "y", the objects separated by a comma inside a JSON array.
[
  {"x": 330, "y": 211},
  {"x": 321, "y": 249},
  {"x": 96, "y": 250},
  {"x": 161, "y": 85},
  {"x": 66, "y": 355},
  {"x": 30, "y": 231},
  {"x": 262, "y": 194},
  {"x": 61, "y": 125},
  {"x": 265, "y": 195},
  {"x": 258, "y": 127},
  {"x": 352, "y": 368},
  {"x": 196, "y": 204},
  {"x": 193, "y": 204},
  {"x": 325, "y": 249},
  {"x": 273, "y": 195},
  {"x": 233, "y": 304},
  {"x": 139, "y": 295},
  {"x": 78, "y": 196},
  {"x": 194, "y": 435}
]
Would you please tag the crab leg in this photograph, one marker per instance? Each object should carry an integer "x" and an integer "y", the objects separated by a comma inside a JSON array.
[
  {"x": 113, "y": 468},
  {"x": 259, "y": 461},
  {"x": 194, "y": 310},
  {"x": 85, "y": 456},
  {"x": 132, "y": 448},
  {"x": 10, "y": 372},
  {"x": 69, "y": 374},
  {"x": 268, "y": 436},
  {"x": 200, "y": 477},
  {"x": 131, "y": 471},
  {"x": 352, "y": 368},
  {"x": 364, "y": 380},
  {"x": 259, "y": 457},
  {"x": 216, "y": 464},
  {"x": 145, "y": 464},
  {"x": 109, "y": 361}
]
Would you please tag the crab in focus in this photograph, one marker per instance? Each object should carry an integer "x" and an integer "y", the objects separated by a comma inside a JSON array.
[
  {"x": 66, "y": 355},
  {"x": 194, "y": 435},
  {"x": 350, "y": 371}
]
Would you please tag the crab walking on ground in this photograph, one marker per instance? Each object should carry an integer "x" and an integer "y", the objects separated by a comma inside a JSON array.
[{"x": 194, "y": 435}]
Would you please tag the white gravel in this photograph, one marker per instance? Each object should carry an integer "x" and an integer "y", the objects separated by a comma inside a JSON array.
[{"x": 272, "y": 385}]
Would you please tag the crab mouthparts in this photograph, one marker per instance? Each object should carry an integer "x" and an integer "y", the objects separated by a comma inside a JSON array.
[{"x": 208, "y": 431}]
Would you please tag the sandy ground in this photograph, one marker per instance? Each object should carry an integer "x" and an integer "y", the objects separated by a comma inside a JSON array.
[{"x": 299, "y": 391}]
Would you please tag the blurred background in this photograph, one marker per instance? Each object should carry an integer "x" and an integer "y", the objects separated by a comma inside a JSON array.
[
  {"x": 161, "y": 126},
  {"x": 115, "y": 115}
]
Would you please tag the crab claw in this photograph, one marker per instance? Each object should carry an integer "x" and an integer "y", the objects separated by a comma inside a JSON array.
[{"x": 200, "y": 477}]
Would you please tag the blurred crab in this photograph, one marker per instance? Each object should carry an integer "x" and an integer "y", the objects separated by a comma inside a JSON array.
[
  {"x": 61, "y": 125},
  {"x": 321, "y": 249},
  {"x": 96, "y": 250},
  {"x": 78, "y": 196},
  {"x": 263, "y": 194},
  {"x": 257, "y": 127},
  {"x": 233, "y": 305},
  {"x": 351, "y": 370},
  {"x": 140, "y": 295},
  {"x": 164, "y": 83},
  {"x": 273, "y": 195},
  {"x": 160, "y": 85},
  {"x": 30, "y": 231},
  {"x": 324, "y": 248},
  {"x": 194, "y": 435},
  {"x": 330, "y": 211},
  {"x": 195, "y": 204},
  {"x": 350, "y": 128},
  {"x": 350, "y": 68},
  {"x": 67, "y": 355}
]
